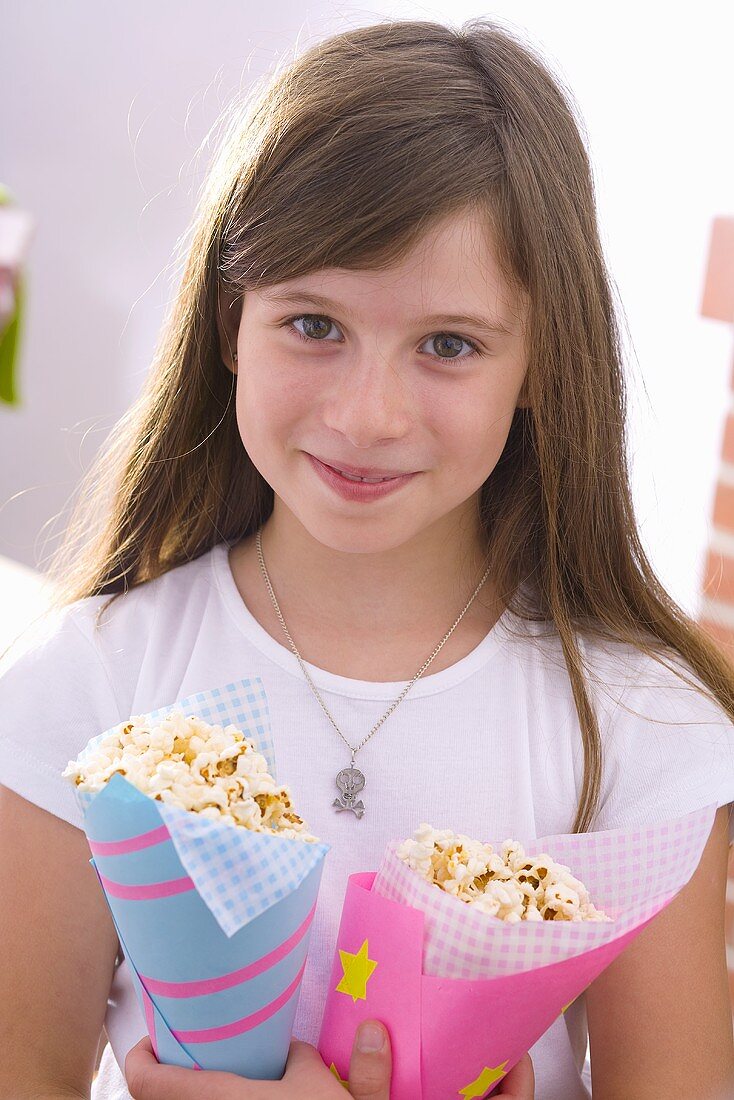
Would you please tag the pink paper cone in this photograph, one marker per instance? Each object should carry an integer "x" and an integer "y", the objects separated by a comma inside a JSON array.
[{"x": 458, "y": 1037}]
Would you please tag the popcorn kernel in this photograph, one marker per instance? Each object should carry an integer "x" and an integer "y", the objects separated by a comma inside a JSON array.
[{"x": 509, "y": 885}]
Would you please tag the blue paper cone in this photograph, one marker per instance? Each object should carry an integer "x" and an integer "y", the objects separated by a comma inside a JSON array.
[{"x": 214, "y": 919}]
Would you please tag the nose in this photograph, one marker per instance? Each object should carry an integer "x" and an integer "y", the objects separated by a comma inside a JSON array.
[{"x": 370, "y": 401}]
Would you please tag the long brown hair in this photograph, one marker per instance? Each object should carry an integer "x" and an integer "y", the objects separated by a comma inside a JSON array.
[{"x": 344, "y": 158}]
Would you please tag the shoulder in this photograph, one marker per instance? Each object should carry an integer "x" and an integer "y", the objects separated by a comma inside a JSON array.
[
  {"x": 73, "y": 673},
  {"x": 667, "y": 742},
  {"x": 625, "y": 673},
  {"x": 95, "y": 645},
  {"x": 55, "y": 695},
  {"x": 121, "y": 625},
  {"x": 641, "y": 693}
]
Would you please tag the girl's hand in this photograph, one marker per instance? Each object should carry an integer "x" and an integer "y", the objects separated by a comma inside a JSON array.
[
  {"x": 519, "y": 1083},
  {"x": 306, "y": 1076}
]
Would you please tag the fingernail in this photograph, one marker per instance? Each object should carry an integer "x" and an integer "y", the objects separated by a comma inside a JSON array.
[{"x": 370, "y": 1037}]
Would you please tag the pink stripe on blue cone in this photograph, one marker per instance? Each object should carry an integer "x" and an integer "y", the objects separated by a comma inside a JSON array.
[
  {"x": 226, "y": 981},
  {"x": 131, "y": 844},
  {"x": 147, "y": 891},
  {"x": 247, "y": 1023}
]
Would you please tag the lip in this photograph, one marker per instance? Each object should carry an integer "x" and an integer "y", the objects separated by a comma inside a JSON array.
[
  {"x": 360, "y": 471},
  {"x": 357, "y": 490}
]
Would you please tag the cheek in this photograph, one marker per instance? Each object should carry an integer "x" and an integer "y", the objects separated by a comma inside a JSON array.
[
  {"x": 271, "y": 406},
  {"x": 471, "y": 433},
  {"x": 468, "y": 421}
]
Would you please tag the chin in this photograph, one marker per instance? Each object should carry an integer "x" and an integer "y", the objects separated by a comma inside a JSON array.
[{"x": 356, "y": 535}]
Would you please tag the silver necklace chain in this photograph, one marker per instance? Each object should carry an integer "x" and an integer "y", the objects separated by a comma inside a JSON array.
[{"x": 351, "y": 781}]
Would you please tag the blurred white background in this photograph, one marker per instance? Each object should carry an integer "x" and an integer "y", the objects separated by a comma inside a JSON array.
[{"x": 104, "y": 113}]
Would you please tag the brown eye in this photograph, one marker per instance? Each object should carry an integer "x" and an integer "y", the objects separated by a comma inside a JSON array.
[
  {"x": 315, "y": 326},
  {"x": 449, "y": 345}
]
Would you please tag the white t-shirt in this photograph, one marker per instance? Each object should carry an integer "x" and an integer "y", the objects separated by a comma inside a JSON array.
[{"x": 490, "y": 747}]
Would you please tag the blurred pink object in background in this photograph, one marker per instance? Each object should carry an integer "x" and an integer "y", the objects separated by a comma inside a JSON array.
[
  {"x": 16, "y": 230},
  {"x": 717, "y": 613}
]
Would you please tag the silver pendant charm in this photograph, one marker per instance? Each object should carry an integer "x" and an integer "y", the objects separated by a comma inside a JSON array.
[{"x": 350, "y": 782}]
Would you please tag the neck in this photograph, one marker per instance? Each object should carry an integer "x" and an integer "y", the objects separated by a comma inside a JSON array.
[{"x": 416, "y": 588}]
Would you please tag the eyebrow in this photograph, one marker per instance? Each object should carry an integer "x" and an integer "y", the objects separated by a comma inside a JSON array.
[{"x": 490, "y": 326}]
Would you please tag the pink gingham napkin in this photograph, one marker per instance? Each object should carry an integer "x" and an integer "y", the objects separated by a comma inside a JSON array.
[{"x": 630, "y": 873}]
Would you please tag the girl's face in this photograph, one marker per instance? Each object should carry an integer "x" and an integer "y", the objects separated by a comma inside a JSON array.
[{"x": 381, "y": 372}]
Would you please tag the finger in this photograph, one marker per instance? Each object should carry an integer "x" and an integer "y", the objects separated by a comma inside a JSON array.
[
  {"x": 304, "y": 1070},
  {"x": 519, "y": 1083},
  {"x": 147, "y": 1079},
  {"x": 370, "y": 1067},
  {"x": 306, "y": 1074}
]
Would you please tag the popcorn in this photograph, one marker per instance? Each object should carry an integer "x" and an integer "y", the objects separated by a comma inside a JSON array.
[
  {"x": 186, "y": 762},
  {"x": 507, "y": 884}
]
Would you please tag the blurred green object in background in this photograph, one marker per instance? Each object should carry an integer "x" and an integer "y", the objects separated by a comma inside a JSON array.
[
  {"x": 9, "y": 349},
  {"x": 10, "y": 328}
]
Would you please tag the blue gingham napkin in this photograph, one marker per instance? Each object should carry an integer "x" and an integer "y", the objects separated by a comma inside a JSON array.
[{"x": 237, "y": 872}]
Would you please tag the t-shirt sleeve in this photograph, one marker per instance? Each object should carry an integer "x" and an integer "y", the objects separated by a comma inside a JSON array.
[
  {"x": 668, "y": 749},
  {"x": 55, "y": 695}
]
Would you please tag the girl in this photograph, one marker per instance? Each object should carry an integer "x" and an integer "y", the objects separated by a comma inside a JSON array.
[{"x": 394, "y": 271}]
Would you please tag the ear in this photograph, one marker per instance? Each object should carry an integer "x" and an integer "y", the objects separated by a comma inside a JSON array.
[
  {"x": 523, "y": 401},
  {"x": 229, "y": 312}
]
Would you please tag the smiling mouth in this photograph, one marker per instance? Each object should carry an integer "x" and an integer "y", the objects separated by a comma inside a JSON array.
[
  {"x": 370, "y": 479},
  {"x": 367, "y": 480},
  {"x": 358, "y": 488}
]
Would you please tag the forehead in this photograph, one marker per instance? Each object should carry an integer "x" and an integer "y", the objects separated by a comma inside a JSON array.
[{"x": 452, "y": 270}]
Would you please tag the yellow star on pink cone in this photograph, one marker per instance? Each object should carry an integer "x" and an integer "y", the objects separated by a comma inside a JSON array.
[
  {"x": 335, "y": 1071},
  {"x": 480, "y": 1085},
  {"x": 357, "y": 971}
]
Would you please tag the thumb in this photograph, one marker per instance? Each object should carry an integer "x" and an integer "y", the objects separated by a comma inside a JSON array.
[
  {"x": 519, "y": 1083},
  {"x": 370, "y": 1067}
]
